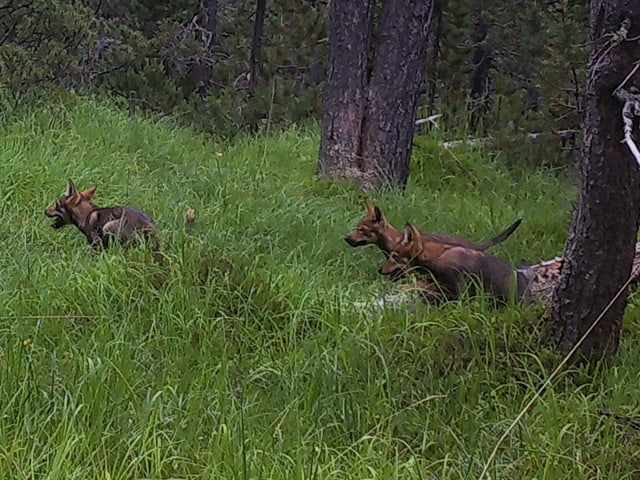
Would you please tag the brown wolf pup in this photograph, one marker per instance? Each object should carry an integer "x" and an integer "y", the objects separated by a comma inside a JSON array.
[
  {"x": 375, "y": 229},
  {"x": 99, "y": 225},
  {"x": 453, "y": 267}
]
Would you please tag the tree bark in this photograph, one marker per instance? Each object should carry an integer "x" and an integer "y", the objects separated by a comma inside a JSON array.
[
  {"x": 482, "y": 63},
  {"x": 350, "y": 29},
  {"x": 371, "y": 92},
  {"x": 392, "y": 100},
  {"x": 256, "y": 45},
  {"x": 600, "y": 248},
  {"x": 211, "y": 10},
  {"x": 435, "y": 49}
]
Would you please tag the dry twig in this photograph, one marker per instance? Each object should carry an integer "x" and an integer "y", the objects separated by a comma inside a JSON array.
[{"x": 630, "y": 110}]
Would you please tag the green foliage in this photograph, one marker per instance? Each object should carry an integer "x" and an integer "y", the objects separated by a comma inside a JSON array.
[
  {"x": 538, "y": 56},
  {"x": 44, "y": 43},
  {"x": 159, "y": 51},
  {"x": 244, "y": 354}
]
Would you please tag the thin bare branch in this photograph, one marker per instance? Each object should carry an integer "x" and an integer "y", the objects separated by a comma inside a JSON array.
[{"x": 630, "y": 111}]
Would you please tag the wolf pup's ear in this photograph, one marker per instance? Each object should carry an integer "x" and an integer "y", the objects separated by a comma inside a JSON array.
[
  {"x": 369, "y": 209},
  {"x": 88, "y": 193},
  {"x": 377, "y": 215},
  {"x": 411, "y": 233},
  {"x": 406, "y": 234},
  {"x": 71, "y": 189}
]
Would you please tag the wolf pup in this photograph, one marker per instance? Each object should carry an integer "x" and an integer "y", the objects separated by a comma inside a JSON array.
[
  {"x": 454, "y": 266},
  {"x": 375, "y": 229},
  {"x": 99, "y": 225}
]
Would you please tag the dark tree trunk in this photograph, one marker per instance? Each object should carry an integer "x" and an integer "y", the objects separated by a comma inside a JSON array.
[
  {"x": 482, "y": 62},
  {"x": 256, "y": 45},
  {"x": 314, "y": 72},
  {"x": 350, "y": 27},
  {"x": 211, "y": 10},
  {"x": 371, "y": 94},
  {"x": 435, "y": 47},
  {"x": 600, "y": 248},
  {"x": 392, "y": 101}
]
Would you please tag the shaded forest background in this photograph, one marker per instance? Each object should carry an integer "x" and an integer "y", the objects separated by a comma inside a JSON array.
[{"x": 499, "y": 69}]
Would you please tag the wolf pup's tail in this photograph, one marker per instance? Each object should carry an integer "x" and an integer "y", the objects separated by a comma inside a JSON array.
[{"x": 501, "y": 237}]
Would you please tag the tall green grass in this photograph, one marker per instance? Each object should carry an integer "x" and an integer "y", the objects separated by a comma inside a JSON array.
[{"x": 243, "y": 354}]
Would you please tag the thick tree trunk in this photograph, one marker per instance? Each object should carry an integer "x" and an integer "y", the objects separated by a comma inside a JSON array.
[
  {"x": 600, "y": 248},
  {"x": 392, "y": 101},
  {"x": 256, "y": 44},
  {"x": 350, "y": 26},
  {"x": 371, "y": 94}
]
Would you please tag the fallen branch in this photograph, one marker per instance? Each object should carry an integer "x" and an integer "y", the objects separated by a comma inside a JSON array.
[
  {"x": 630, "y": 110},
  {"x": 475, "y": 142},
  {"x": 471, "y": 142},
  {"x": 431, "y": 118}
]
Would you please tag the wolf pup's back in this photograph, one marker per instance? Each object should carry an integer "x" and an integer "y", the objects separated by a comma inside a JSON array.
[{"x": 122, "y": 223}]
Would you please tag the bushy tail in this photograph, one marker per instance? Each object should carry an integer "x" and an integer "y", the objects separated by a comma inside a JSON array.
[{"x": 501, "y": 237}]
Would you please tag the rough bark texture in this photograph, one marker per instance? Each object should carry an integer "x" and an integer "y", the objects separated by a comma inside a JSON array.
[
  {"x": 350, "y": 23},
  {"x": 256, "y": 44},
  {"x": 600, "y": 248},
  {"x": 392, "y": 100}
]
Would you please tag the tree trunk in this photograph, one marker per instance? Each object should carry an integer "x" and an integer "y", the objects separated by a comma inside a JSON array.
[
  {"x": 435, "y": 49},
  {"x": 256, "y": 45},
  {"x": 392, "y": 100},
  {"x": 350, "y": 28},
  {"x": 482, "y": 63},
  {"x": 371, "y": 95},
  {"x": 211, "y": 10},
  {"x": 600, "y": 248}
]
